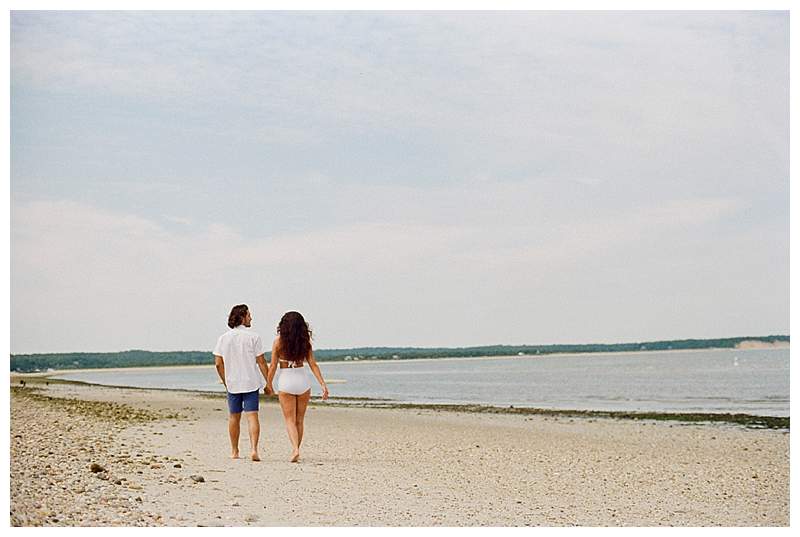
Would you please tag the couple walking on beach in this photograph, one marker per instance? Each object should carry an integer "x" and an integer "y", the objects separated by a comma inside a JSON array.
[{"x": 240, "y": 363}]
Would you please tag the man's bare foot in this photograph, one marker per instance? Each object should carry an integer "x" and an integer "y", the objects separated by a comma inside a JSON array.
[
  {"x": 295, "y": 456},
  {"x": 235, "y": 455},
  {"x": 254, "y": 457}
]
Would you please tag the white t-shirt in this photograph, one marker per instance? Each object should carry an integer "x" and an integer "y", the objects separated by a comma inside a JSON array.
[{"x": 239, "y": 347}]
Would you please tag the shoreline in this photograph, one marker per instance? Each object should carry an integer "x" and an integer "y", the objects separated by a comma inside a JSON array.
[
  {"x": 85, "y": 455},
  {"x": 753, "y": 421}
]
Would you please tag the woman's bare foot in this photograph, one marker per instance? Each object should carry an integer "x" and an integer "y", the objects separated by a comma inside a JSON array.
[
  {"x": 254, "y": 457},
  {"x": 295, "y": 456},
  {"x": 235, "y": 455}
]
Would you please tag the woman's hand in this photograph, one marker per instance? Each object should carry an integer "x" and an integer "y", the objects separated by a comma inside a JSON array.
[
  {"x": 268, "y": 390},
  {"x": 324, "y": 392}
]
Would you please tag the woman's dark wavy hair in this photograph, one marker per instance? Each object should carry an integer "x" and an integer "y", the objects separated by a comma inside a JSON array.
[
  {"x": 238, "y": 313},
  {"x": 295, "y": 337}
]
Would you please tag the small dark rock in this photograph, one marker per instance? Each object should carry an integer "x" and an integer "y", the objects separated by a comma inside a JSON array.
[
  {"x": 198, "y": 478},
  {"x": 177, "y": 465},
  {"x": 95, "y": 468}
]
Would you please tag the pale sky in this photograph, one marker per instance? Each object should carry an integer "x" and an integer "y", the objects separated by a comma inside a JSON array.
[{"x": 402, "y": 179}]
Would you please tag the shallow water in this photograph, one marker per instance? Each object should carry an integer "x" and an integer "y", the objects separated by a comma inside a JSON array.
[{"x": 743, "y": 381}]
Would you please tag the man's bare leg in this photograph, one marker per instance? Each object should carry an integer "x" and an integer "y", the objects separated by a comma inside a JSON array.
[
  {"x": 233, "y": 431},
  {"x": 255, "y": 429}
]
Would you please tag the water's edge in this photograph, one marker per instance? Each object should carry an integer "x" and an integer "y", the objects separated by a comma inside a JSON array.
[{"x": 749, "y": 421}]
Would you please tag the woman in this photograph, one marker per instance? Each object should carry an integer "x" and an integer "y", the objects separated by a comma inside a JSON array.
[{"x": 291, "y": 349}]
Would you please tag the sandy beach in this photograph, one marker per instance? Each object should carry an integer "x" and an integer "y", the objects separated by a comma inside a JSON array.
[{"x": 87, "y": 455}]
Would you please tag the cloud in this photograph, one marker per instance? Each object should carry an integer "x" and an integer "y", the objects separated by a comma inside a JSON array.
[
  {"x": 408, "y": 178},
  {"x": 689, "y": 101},
  {"x": 78, "y": 270}
]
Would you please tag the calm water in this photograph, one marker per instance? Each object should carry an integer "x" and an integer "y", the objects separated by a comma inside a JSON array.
[{"x": 747, "y": 381}]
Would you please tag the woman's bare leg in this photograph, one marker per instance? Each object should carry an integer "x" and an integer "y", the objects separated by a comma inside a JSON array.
[
  {"x": 289, "y": 408},
  {"x": 302, "y": 405}
]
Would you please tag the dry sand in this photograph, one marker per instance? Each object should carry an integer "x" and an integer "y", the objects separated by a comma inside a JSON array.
[{"x": 378, "y": 467}]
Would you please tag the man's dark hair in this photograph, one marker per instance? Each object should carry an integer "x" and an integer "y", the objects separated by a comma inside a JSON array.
[{"x": 238, "y": 313}]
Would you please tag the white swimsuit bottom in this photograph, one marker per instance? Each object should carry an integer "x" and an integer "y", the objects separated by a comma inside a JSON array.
[{"x": 293, "y": 380}]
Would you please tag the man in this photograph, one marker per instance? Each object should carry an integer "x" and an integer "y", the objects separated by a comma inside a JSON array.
[{"x": 238, "y": 356}]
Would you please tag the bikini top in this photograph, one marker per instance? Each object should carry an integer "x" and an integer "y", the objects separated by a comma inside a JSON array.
[{"x": 292, "y": 365}]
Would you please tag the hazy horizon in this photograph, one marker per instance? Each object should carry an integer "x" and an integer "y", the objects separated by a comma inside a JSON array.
[
  {"x": 436, "y": 179},
  {"x": 422, "y": 347}
]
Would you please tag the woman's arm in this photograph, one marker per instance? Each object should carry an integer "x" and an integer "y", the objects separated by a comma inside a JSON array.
[
  {"x": 312, "y": 363},
  {"x": 273, "y": 365}
]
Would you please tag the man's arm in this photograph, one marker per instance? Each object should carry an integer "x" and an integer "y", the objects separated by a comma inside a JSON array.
[
  {"x": 219, "y": 363},
  {"x": 262, "y": 365}
]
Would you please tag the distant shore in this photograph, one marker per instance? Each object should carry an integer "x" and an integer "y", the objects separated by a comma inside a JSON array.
[
  {"x": 778, "y": 345},
  {"x": 89, "y": 455},
  {"x": 143, "y": 358}
]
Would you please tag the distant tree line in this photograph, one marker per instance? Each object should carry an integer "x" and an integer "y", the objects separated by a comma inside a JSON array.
[{"x": 138, "y": 358}]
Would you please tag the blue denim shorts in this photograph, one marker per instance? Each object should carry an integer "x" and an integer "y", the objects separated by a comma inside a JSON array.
[{"x": 243, "y": 401}]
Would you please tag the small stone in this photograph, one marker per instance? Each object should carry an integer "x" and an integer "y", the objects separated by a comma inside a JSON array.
[
  {"x": 177, "y": 465},
  {"x": 95, "y": 468},
  {"x": 198, "y": 478}
]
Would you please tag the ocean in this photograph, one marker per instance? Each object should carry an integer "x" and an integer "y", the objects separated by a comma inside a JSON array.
[{"x": 753, "y": 381}]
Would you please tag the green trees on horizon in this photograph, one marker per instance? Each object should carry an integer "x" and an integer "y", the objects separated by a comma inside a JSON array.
[{"x": 25, "y": 363}]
